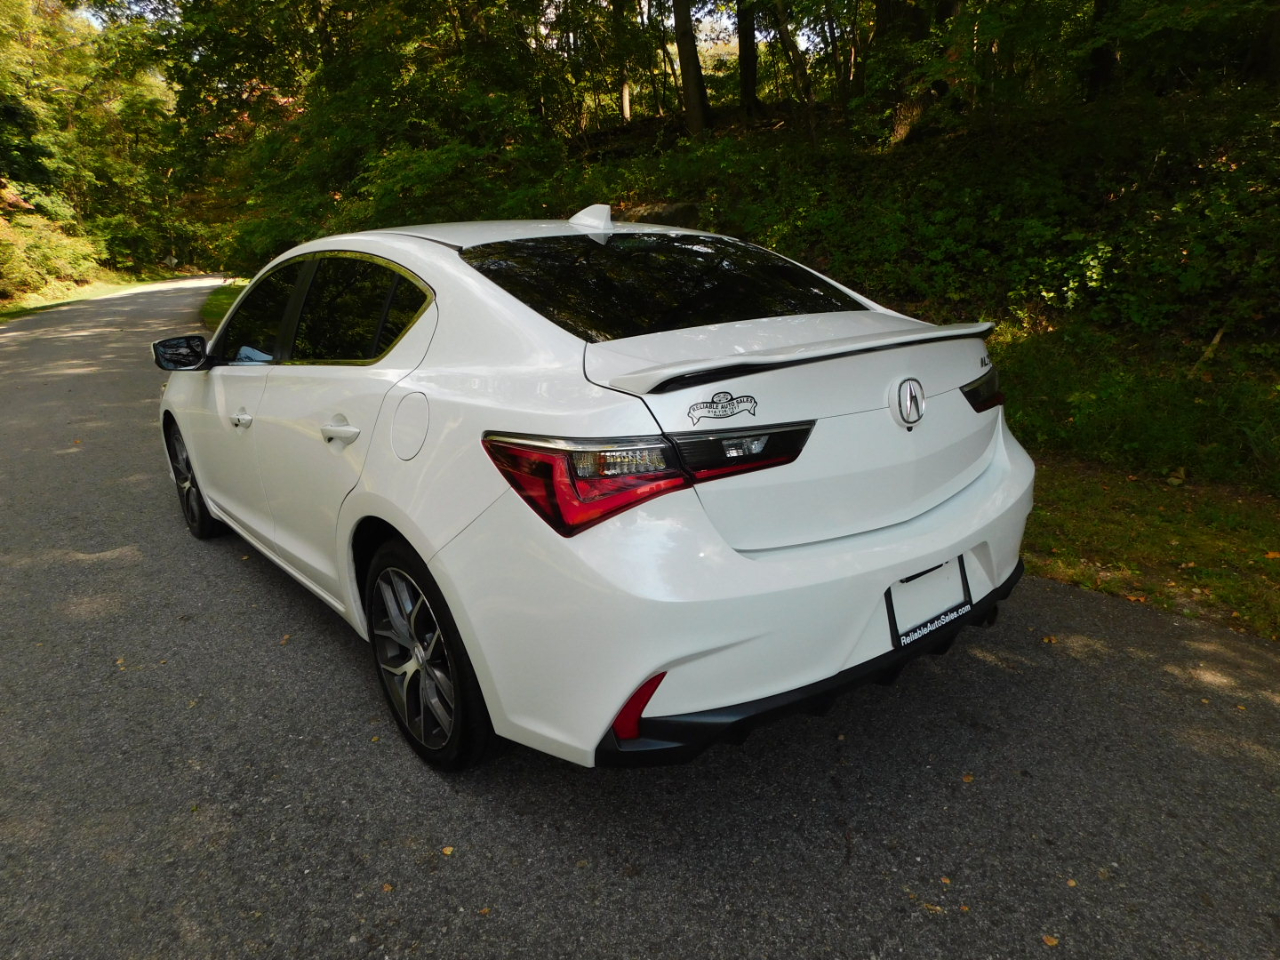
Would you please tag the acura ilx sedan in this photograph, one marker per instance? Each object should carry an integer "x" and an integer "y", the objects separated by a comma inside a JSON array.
[{"x": 614, "y": 491}]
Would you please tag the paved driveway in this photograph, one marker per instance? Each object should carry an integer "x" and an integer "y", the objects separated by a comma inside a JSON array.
[{"x": 195, "y": 760}]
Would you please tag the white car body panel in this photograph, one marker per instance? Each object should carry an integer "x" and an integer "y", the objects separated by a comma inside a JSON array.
[{"x": 224, "y": 452}]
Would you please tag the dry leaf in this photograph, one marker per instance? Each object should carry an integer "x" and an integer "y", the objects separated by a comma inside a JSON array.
[
  {"x": 1049, "y": 639},
  {"x": 1071, "y": 883},
  {"x": 485, "y": 911},
  {"x": 967, "y": 778},
  {"x": 964, "y": 908},
  {"x": 1241, "y": 706},
  {"x": 1050, "y": 941},
  {"x": 946, "y": 879},
  {"x": 387, "y": 888},
  {"x": 374, "y": 739},
  {"x": 1272, "y": 554},
  {"x": 1136, "y": 599},
  {"x": 447, "y": 851},
  {"x": 933, "y": 908}
]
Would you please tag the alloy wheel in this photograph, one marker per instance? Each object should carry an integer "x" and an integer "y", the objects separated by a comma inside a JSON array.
[{"x": 412, "y": 658}]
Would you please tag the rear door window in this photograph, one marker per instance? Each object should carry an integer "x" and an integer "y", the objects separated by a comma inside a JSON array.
[
  {"x": 355, "y": 309},
  {"x": 636, "y": 283}
]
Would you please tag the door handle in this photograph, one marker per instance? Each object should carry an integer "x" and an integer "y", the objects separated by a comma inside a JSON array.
[
  {"x": 241, "y": 419},
  {"x": 344, "y": 433}
]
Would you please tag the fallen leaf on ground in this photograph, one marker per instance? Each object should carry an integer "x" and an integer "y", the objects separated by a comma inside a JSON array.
[
  {"x": 967, "y": 778},
  {"x": 1136, "y": 599},
  {"x": 387, "y": 888},
  {"x": 946, "y": 879},
  {"x": 933, "y": 908},
  {"x": 1071, "y": 883},
  {"x": 447, "y": 851},
  {"x": 485, "y": 911},
  {"x": 1049, "y": 639},
  {"x": 1050, "y": 941},
  {"x": 1272, "y": 554}
]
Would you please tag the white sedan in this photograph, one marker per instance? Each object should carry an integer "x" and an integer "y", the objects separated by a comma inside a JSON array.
[{"x": 613, "y": 491}]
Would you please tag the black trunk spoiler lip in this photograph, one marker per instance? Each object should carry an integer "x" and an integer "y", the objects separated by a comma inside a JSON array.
[{"x": 669, "y": 377}]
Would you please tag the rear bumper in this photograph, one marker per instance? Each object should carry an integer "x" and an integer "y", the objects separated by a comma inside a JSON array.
[
  {"x": 562, "y": 632},
  {"x": 675, "y": 739}
]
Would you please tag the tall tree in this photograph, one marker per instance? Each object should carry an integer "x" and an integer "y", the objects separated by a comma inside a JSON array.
[{"x": 697, "y": 108}]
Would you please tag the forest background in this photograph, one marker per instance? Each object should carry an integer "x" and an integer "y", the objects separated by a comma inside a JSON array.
[{"x": 1100, "y": 177}]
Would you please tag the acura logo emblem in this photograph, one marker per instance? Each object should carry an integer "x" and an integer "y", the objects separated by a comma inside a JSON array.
[{"x": 910, "y": 402}]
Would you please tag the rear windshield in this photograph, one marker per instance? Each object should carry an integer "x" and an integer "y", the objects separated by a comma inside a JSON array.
[{"x": 637, "y": 283}]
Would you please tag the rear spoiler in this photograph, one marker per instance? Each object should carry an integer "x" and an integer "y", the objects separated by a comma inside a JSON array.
[{"x": 666, "y": 377}]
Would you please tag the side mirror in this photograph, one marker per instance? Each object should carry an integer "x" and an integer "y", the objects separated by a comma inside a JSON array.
[{"x": 180, "y": 353}]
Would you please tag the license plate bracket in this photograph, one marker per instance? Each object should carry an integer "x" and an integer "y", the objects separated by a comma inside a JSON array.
[{"x": 925, "y": 602}]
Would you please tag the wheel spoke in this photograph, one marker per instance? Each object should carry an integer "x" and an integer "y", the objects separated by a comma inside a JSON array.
[
  {"x": 432, "y": 697},
  {"x": 399, "y": 631}
]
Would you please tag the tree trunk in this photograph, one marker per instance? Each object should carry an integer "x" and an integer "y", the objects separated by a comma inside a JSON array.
[
  {"x": 1263, "y": 60},
  {"x": 697, "y": 109},
  {"x": 1101, "y": 76},
  {"x": 796, "y": 60},
  {"x": 748, "y": 60}
]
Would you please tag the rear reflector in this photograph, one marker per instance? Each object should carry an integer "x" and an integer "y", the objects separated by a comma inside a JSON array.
[
  {"x": 627, "y": 724},
  {"x": 984, "y": 393}
]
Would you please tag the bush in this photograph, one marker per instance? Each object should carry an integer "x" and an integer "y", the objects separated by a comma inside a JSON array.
[{"x": 34, "y": 252}]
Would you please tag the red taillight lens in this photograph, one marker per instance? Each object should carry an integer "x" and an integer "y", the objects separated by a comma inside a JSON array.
[
  {"x": 627, "y": 725},
  {"x": 576, "y": 484},
  {"x": 984, "y": 393}
]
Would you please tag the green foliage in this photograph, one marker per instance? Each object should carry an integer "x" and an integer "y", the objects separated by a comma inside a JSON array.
[
  {"x": 88, "y": 149},
  {"x": 34, "y": 251}
]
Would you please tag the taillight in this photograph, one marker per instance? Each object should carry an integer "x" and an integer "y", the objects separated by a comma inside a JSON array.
[
  {"x": 984, "y": 393},
  {"x": 710, "y": 455},
  {"x": 575, "y": 484}
]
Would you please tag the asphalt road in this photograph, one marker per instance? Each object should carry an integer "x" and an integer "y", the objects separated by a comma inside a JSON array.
[{"x": 195, "y": 760}]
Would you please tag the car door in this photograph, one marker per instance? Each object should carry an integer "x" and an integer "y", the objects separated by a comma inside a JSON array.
[
  {"x": 222, "y": 434},
  {"x": 317, "y": 414}
]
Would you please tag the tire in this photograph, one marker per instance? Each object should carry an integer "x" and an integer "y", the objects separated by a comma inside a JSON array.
[
  {"x": 422, "y": 665},
  {"x": 195, "y": 511}
]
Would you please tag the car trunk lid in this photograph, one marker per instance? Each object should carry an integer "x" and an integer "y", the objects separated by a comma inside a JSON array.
[{"x": 863, "y": 467}]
